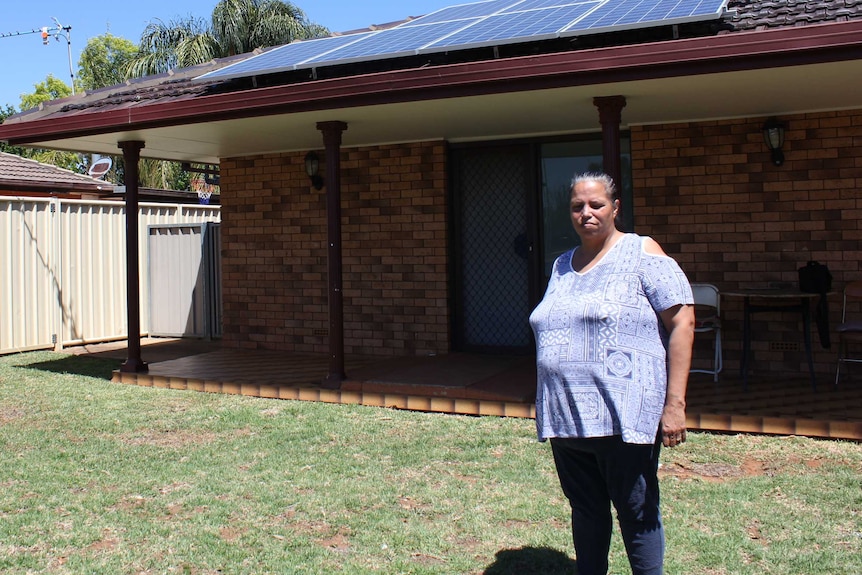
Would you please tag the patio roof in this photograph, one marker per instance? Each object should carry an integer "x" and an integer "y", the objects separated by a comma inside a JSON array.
[{"x": 760, "y": 49}]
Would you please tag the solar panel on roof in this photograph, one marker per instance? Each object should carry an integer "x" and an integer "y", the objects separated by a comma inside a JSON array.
[
  {"x": 684, "y": 9},
  {"x": 534, "y": 24},
  {"x": 612, "y": 16},
  {"x": 491, "y": 22},
  {"x": 462, "y": 11},
  {"x": 524, "y": 5},
  {"x": 285, "y": 58},
  {"x": 393, "y": 42}
]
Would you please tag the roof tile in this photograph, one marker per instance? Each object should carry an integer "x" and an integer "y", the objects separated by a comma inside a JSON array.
[
  {"x": 15, "y": 169},
  {"x": 764, "y": 14}
]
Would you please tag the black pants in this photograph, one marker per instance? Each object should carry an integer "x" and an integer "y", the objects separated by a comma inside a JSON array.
[{"x": 595, "y": 473}]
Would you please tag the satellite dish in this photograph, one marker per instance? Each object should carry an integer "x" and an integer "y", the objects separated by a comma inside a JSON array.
[{"x": 99, "y": 168}]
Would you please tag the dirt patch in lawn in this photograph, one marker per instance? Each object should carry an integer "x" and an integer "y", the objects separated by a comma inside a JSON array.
[
  {"x": 9, "y": 414},
  {"x": 168, "y": 439},
  {"x": 175, "y": 439},
  {"x": 712, "y": 471}
]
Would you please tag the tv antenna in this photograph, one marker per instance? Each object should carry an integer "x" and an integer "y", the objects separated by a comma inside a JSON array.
[{"x": 48, "y": 32}]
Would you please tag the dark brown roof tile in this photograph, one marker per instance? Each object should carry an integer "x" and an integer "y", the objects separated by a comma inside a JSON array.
[
  {"x": 17, "y": 172},
  {"x": 765, "y": 14}
]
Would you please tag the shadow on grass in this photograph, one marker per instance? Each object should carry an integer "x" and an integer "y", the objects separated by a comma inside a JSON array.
[
  {"x": 532, "y": 561},
  {"x": 78, "y": 365}
]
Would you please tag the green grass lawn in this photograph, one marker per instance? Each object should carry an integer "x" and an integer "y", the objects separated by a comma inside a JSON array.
[{"x": 98, "y": 477}]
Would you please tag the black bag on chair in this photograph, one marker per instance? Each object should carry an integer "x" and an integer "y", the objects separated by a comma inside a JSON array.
[{"x": 815, "y": 277}]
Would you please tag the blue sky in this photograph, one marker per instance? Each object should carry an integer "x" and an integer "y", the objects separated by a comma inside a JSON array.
[{"x": 25, "y": 61}]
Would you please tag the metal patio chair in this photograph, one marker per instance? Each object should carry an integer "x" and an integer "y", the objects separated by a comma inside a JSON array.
[
  {"x": 850, "y": 328},
  {"x": 707, "y": 309}
]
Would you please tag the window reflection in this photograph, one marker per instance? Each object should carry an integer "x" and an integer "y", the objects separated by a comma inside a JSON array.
[{"x": 560, "y": 162}]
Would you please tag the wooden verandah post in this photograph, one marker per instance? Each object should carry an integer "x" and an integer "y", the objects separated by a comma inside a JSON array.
[
  {"x": 610, "y": 117},
  {"x": 332, "y": 142},
  {"x": 131, "y": 156}
]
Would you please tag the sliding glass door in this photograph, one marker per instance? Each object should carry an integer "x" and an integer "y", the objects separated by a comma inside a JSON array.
[{"x": 560, "y": 162}]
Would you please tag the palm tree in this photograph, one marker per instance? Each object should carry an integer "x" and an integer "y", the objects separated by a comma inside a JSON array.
[{"x": 236, "y": 27}]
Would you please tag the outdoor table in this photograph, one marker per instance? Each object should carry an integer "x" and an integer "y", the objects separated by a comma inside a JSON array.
[{"x": 774, "y": 300}]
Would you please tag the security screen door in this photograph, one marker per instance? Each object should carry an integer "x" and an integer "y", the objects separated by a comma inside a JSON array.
[{"x": 492, "y": 251}]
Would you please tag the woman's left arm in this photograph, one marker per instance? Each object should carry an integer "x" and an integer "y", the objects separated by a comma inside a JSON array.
[{"x": 679, "y": 322}]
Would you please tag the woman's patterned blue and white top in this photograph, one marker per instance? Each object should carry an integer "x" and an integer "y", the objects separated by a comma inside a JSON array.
[{"x": 601, "y": 347}]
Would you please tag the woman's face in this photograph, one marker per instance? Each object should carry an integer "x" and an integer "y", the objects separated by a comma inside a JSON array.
[{"x": 592, "y": 211}]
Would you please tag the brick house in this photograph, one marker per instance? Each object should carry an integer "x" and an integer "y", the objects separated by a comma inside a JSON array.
[{"x": 444, "y": 176}]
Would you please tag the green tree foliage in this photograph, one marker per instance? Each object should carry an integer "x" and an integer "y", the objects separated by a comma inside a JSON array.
[
  {"x": 105, "y": 61},
  {"x": 5, "y": 112},
  {"x": 236, "y": 27},
  {"x": 50, "y": 89},
  {"x": 162, "y": 175},
  {"x": 240, "y": 26}
]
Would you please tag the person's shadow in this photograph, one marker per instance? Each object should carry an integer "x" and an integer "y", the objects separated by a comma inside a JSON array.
[{"x": 532, "y": 561}]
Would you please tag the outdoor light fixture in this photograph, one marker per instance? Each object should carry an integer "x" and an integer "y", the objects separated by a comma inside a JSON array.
[
  {"x": 312, "y": 167},
  {"x": 773, "y": 135}
]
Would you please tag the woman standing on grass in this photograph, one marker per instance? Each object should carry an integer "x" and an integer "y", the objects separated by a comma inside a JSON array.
[{"x": 614, "y": 334}]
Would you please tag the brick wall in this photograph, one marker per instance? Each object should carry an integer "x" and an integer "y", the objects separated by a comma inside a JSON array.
[
  {"x": 394, "y": 239},
  {"x": 709, "y": 193}
]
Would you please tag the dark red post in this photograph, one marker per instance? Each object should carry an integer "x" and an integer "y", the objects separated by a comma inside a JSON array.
[
  {"x": 332, "y": 142},
  {"x": 131, "y": 155},
  {"x": 610, "y": 117}
]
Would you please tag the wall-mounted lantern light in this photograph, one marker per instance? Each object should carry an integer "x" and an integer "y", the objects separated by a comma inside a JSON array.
[
  {"x": 773, "y": 135},
  {"x": 312, "y": 168}
]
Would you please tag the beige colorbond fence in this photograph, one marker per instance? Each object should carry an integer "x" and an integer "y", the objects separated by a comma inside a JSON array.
[{"x": 63, "y": 268}]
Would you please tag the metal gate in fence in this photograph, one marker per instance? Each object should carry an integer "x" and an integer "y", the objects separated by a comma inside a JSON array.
[{"x": 185, "y": 280}]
